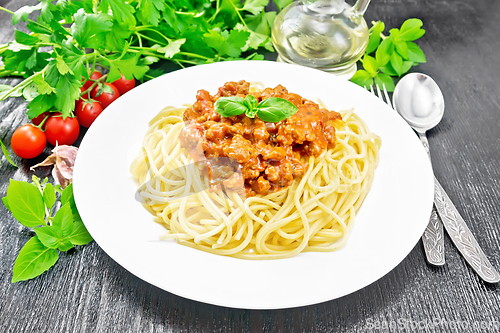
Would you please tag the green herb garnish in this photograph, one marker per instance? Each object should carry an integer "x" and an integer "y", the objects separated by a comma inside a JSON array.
[
  {"x": 68, "y": 39},
  {"x": 32, "y": 204},
  {"x": 390, "y": 56},
  {"x": 271, "y": 110}
]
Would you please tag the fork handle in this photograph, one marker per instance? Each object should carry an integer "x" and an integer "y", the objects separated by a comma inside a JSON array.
[
  {"x": 462, "y": 236},
  {"x": 433, "y": 237},
  {"x": 425, "y": 143}
]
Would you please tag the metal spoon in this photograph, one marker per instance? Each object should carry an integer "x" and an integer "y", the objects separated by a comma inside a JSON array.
[{"x": 418, "y": 99}]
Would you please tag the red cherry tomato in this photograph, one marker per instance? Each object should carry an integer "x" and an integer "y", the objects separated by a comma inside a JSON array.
[
  {"x": 61, "y": 131},
  {"x": 86, "y": 113},
  {"x": 38, "y": 120},
  {"x": 96, "y": 75},
  {"x": 28, "y": 141},
  {"x": 105, "y": 94},
  {"x": 123, "y": 85}
]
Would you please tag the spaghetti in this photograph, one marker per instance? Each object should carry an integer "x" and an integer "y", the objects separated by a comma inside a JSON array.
[{"x": 314, "y": 213}]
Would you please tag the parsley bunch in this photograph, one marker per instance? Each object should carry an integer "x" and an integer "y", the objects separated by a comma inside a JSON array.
[
  {"x": 70, "y": 38},
  {"x": 33, "y": 205},
  {"x": 390, "y": 56}
]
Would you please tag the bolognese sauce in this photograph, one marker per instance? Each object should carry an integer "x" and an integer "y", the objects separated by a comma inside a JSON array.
[{"x": 270, "y": 155}]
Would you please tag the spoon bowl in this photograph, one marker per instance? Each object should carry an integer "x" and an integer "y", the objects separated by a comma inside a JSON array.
[{"x": 418, "y": 99}]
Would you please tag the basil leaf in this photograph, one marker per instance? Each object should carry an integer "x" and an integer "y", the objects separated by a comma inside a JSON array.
[
  {"x": 275, "y": 109},
  {"x": 374, "y": 39},
  {"x": 362, "y": 78},
  {"x": 49, "y": 195},
  {"x": 397, "y": 63},
  {"x": 68, "y": 197},
  {"x": 33, "y": 259},
  {"x": 48, "y": 236},
  {"x": 384, "y": 51},
  {"x": 402, "y": 49},
  {"x": 370, "y": 64},
  {"x": 251, "y": 102},
  {"x": 7, "y": 154},
  {"x": 384, "y": 80},
  {"x": 410, "y": 30},
  {"x": 63, "y": 219},
  {"x": 26, "y": 203},
  {"x": 251, "y": 113},
  {"x": 80, "y": 235},
  {"x": 230, "y": 106},
  {"x": 53, "y": 238},
  {"x": 6, "y": 202},
  {"x": 415, "y": 53}
]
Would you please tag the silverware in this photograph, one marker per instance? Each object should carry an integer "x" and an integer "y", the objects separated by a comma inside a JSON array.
[
  {"x": 462, "y": 237},
  {"x": 433, "y": 237},
  {"x": 454, "y": 224}
]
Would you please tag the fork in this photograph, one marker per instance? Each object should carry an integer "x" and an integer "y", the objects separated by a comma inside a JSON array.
[{"x": 433, "y": 237}]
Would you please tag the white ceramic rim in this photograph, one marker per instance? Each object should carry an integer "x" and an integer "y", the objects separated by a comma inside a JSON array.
[{"x": 387, "y": 227}]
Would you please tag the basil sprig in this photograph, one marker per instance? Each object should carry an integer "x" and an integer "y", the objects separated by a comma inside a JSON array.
[
  {"x": 270, "y": 110},
  {"x": 33, "y": 205}
]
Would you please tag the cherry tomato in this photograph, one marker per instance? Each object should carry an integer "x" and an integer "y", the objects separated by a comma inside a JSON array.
[
  {"x": 96, "y": 75},
  {"x": 86, "y": 113},
  {"x": 123, "y": 85},
  {"x": 105, "y": 94},
  {"x": 38, "y": 120},
  {"x": 62, "y": 131},
  {"x": 28, "y": 141}
]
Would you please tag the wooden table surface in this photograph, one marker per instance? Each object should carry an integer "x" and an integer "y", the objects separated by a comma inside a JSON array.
[{"x": 86, "y": 291}]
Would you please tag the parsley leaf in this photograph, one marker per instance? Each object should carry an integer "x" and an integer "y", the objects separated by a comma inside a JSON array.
[
  {"x": 129, "y": 67},
  {"x": 149, "y": 11},
  {"x": 88, "y": 29},
  {"x": 255, "y": 6},
  {"x": 67, "y": 91},
  {"x": 122, "y": 11},
  {"x": 23, "y": 12}
]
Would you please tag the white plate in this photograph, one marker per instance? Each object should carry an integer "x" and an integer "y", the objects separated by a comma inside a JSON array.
[{"x": 389, "y": 224}]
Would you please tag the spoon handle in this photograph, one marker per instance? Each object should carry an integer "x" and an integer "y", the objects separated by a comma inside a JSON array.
[
  {"x": 462, "y": 236},
  {"x": 433, "y": 237},
  {"x": 425, "y": 143}
]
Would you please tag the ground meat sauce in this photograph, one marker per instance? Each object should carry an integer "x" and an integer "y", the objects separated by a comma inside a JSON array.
[{"x": 269, "y": 154}]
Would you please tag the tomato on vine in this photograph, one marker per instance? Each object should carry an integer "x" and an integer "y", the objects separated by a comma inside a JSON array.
[
  {"x": 95, "y": 76},
  {"x": 28, "y": 141},
  {"x": 105, "y": 94},
  {"x": 61, "y": 131},
  {"x": 38, "y": 120},
  {"x": 123, "y": 85},
  {"x": 87, "y": 112}
]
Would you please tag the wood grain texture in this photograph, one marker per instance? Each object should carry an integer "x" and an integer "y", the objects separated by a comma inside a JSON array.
[{"x": 86, "y": 291}]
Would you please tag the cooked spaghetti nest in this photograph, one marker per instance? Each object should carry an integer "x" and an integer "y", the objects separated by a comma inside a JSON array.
[{"x": 314, "y": 214}]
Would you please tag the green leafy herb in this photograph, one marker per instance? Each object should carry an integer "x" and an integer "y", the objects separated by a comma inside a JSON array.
[
  {"x": 274, "y": 109},
  {"x": 7, "y": 154},
  {"x": 70, "y": 39},
  {"x": 32, "y": 205},
  {"x": 390, "y": 56},
  {"x": 271, "y": 110}
]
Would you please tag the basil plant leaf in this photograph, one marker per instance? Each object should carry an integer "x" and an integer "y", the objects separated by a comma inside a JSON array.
[
  {"x": 33, "y": 259},
  {"x": 230, "y": 106},
  {"x": 26, "y": 203},
  {"x": 49, "y": 195},
  {"x": 251, "y": 102},
  {"x": 275, "y": 109},
  {"x": 79, "y": 235}
]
